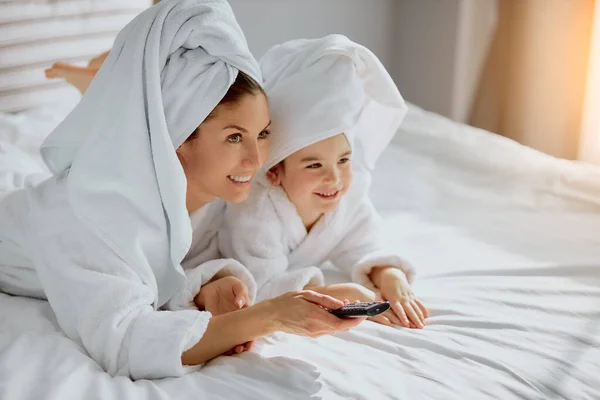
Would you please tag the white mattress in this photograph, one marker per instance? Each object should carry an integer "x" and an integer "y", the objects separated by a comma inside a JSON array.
[{"x": 507, "y": 244}]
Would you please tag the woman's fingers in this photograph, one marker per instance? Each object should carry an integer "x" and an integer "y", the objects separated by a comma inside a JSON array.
[
  {"x": 248, "y": 345},
  {"x": 392, "y": 317},
  {"x": 345, "y": 324},
  {"x": 321, "y": 300},
  {"x": 239, "y": 349},
  {"x": 399, "y": 311}
]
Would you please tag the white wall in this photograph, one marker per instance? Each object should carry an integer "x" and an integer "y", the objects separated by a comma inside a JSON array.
[
  {"x": 439, "y": 52},
  {"x": 269, "y": 22},
  {"x": 434, "y": 49},
  {"x": 423, "y": 66},
  {"x": 477, "y": 23}
]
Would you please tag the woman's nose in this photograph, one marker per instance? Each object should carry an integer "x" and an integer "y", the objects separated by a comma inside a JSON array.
[{"x": 252, "y": 156}]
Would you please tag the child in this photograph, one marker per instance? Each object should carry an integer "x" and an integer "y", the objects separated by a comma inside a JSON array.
[{"x": 334, "y": 109}]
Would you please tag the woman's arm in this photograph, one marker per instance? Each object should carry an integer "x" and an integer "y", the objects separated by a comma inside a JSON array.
[
  {"x": 226, "y": 331},
  {"x": 300, "y": 313}
]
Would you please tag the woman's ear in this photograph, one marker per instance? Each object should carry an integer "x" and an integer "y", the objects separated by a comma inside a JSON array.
[{"x": 274, "y": 175}]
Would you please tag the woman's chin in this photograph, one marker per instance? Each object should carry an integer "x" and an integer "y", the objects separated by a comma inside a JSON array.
[{"x": 235, "y": 196}]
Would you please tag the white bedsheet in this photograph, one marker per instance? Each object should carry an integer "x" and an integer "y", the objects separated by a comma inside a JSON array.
[{"x": 507, "y": 244}]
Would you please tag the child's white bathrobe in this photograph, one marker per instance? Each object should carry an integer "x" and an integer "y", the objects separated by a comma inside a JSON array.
[
  {"x": 318, "y": 89},
  {"x": 103, "y": 238}
]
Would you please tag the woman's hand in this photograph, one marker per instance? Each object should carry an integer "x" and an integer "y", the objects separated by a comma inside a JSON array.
[
  {"x": 301, "y": 313},
  {"x": 80, "y": 77},
  {"x": 305, "y": 313},
  {"x": 406, "y": 309}
]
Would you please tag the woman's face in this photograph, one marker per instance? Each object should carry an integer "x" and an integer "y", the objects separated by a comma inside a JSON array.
[{"x": 229, "y": 149}]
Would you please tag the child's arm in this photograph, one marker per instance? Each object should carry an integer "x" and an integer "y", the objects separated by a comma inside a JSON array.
[
  {"x": 363, "y": 248},
  {"x": 364, "y": 254}
]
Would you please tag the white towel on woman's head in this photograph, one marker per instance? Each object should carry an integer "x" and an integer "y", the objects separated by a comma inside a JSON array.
[
  {"x": 319, "y": 88},
  {"x": 168, "y": 69}
]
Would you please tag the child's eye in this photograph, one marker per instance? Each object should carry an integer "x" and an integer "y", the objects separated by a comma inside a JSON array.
[
  {"x": 264, "y": 134},
  {"x": 314, "y": 166},
  {"x": 235, "y": 138},
  {"x": 344, "y": 160}
]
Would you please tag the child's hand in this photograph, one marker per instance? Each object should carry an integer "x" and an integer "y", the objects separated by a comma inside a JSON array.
[
  {"x": 80, "y": 77},
  {"x": 222, "y": 296},
  {"x": 406, "y": 309}
]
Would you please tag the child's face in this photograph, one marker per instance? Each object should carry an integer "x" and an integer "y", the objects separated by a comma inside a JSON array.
[{"x": 316, "y": 177}]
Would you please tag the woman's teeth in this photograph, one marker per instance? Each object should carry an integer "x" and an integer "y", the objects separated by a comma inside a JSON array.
[
  {"x": 240, "y": 179},
  {"x": 328, "y": 194}
]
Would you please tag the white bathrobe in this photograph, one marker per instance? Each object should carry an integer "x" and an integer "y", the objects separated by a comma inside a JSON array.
[
  {"x": 103, "y": 238},
  {"x": 318, "y": 89}
]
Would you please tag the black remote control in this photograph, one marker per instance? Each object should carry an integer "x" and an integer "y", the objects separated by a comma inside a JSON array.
[{"x": 356, "y": 310}]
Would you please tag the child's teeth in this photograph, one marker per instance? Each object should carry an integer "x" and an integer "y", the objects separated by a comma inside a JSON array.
[
  {"x": 240, "y": 178},
  {"x": 328, "y": 194}
]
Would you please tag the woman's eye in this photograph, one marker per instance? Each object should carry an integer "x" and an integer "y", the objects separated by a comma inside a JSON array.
[
  {"x": 344, "y": 160},
  {"x": 263, "y": 134},
  {"x": 314, "y": 166},
  {"x": 236, "y": 138}
]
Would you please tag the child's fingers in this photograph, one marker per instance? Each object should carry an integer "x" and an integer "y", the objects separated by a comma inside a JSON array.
[
  {"x": 412, "y": 314},
  {"x": 424, "y": 309},
  {"x": 381, "y": 319},
  {"x": 416, "y": 307},
  {"x": 240, "y": 291},
  {"x": 389, "y": 314},
  {"x": 399, "y": 311},
  {"x": 248, "y": 345}
]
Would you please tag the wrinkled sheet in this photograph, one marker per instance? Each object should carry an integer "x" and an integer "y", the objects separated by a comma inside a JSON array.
[{"x": 506, "y": 242}]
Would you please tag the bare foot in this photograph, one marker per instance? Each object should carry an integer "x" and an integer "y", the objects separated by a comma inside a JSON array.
[{"x": 79, "y": 77}]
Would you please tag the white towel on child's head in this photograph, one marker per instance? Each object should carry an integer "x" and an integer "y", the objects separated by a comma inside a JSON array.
[
  {"x": 319, "y": 88},
  {"x": 167, "y": 70}
]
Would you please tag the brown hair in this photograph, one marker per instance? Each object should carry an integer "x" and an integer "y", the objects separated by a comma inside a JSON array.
[{"x": 242, "y": 86}]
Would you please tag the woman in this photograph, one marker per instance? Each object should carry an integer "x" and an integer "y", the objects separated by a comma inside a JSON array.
[{"x": 173, "y": 120}]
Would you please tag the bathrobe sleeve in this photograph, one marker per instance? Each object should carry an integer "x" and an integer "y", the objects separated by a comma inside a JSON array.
[
  {"x": 254, "y": 234},
  {"x": 105, "y": 305},
  {"x": 363, "y": 247},
  {"x": 206, "y": 272},
  {"x": 203, "y": 262}
]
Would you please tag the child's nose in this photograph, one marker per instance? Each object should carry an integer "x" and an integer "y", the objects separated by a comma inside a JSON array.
[{"x": 332, "y": 175}]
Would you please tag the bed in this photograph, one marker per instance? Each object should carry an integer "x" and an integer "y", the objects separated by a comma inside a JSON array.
[{"x": 506, "y": 242}]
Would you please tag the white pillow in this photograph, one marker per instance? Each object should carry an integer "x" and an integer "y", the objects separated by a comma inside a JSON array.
[{"x": 36, "y": 33}]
